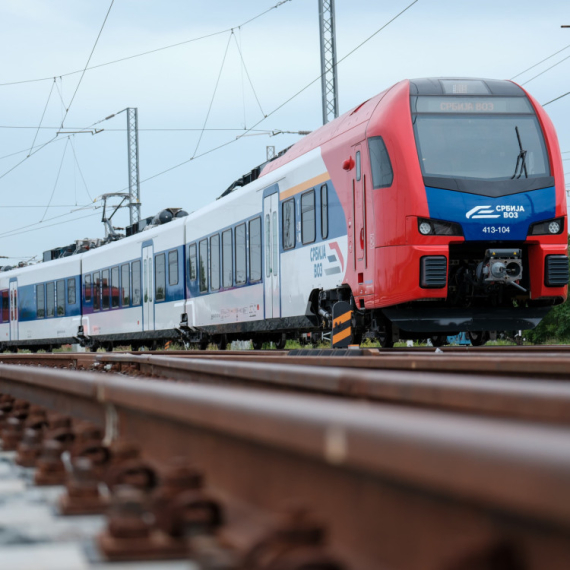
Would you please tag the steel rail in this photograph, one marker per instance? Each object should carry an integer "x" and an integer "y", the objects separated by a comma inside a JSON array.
[
  {"x": 520, "y": 398},
  {"x": 528, "y": 364},
  {"x": 371, "y": 472},
  {"x": 543, "y": 366}
]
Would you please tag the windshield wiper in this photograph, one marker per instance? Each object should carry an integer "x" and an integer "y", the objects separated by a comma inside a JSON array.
[{"x": 521, "y": 159}]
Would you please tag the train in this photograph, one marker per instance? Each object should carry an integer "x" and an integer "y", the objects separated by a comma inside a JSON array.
[{"x": 435, "y": 207}]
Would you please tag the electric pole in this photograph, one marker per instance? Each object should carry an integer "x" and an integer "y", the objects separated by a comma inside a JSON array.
[
  {"x": 329, "y": 83},
  {"x": 133, "y": 156}
]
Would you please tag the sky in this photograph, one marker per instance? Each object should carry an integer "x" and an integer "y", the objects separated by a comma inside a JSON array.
[{"x": 179, "y": 90}]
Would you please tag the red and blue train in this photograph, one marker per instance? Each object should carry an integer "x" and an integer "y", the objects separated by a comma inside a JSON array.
[{"x": 437, "y": 206}]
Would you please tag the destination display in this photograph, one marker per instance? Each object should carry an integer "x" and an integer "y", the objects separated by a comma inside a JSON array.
[{"x": 475, "y": 105}]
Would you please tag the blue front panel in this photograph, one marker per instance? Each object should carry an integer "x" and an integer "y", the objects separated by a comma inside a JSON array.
[{"x": 484, "y": 218}]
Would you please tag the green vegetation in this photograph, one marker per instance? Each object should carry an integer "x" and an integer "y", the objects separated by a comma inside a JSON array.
[{"x": 554, "y": 328}]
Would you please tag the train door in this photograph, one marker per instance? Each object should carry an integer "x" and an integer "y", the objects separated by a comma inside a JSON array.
[
  {"x": 359, "y": 206},
  {"x": 148, "y": 288},
  {"x": 271, "y": 270},
  {"x": 14, "y": 310}
]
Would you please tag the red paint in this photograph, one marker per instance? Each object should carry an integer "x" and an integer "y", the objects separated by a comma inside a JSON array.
[{"x": 384, "y": 244}]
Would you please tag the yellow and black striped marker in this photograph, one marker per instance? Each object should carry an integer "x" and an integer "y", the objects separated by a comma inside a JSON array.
[{"x": 342, "y": 325}]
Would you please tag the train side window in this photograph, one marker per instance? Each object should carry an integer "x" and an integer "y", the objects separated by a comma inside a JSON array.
[
  {"x": 192, "y": 260},
  {"x": 125, "y": 285},
  {"x": 382, "y": 174},
  {"x": 324, "y": 211},
  {"x": 160, "y": 278},
  {"x": 173, "y": 267},
  {"x": 96, "y": 291},
  {"x": 87, "y": 288},
  {"x": 240, "y": 254},
  {"x": 308, "y": 233},
  {"x": 255, "y": 250},
  {"x": 71, "y": 291},
  {"x": 288, "y": 212},
  {"x": 358, "y": 167},
  {"x": 50, "y": 299},
  {"x": 60, "y": 292},
  {"x": 227, "y": 257},
  {"x": 40, "y": 301},
  {"x": 115, "y": 286},
  {"x": 203, "y": 265},
  {"x": 105, "y": 290},
  {"x": 5, "y": 306},
  {"x": 215, "y": 262},
  {"x": 136, "y": 276}
]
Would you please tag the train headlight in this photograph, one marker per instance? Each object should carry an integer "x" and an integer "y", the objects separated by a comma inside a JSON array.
[
  {"x": 554, "y": 227},
  {"x": 438, "y": 228},
  {"x": 549, "y": 227}
]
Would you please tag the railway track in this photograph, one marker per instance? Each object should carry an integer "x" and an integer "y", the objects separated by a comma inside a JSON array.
[{"x": 295, "y": 462}]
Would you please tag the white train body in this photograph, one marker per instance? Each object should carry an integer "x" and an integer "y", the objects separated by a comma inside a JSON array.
[{"x": 246, "y": 264}]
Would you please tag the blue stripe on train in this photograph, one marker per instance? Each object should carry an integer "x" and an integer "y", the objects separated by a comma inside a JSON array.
[{"x": 491, "y": 219}]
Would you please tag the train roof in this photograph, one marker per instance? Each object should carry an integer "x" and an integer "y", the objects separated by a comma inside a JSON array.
[{"x": 464, "y": 86}]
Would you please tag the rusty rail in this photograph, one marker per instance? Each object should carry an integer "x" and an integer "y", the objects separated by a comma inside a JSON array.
[
  {"x": 538, "y": 364},
  {"x": 520, "y": 398},
  {"x": 462, "y": 489}
]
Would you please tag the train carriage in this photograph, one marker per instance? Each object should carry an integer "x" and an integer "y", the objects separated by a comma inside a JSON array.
[
  {"x": 133, "y": 289},
  {"x": 41, "y": 304},
  {"x": 254, "y": 258},
  {"x": 437, "y": 206}
]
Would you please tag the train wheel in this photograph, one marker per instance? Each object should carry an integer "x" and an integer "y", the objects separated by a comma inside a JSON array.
[
  {"x": 109, "y": 347},
  {"x": 203, "y": 344},
  {"x": 281, "y": 342},
  {"x": 222, "y": 343},
  {"x": 257, "y": 344},
  {"x": 438, "y": 339},
  {"x": 478, "y": 338}
]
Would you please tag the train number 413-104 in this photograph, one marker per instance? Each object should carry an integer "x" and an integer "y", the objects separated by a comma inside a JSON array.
[{"x": 496, "y": 230}]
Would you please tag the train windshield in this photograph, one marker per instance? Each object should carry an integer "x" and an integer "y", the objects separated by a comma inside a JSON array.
[{"x": 479, "y": 138}]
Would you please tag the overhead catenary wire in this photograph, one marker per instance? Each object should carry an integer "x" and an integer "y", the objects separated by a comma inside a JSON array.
[
  {"x": 27, "y": 230},
  {"x": 58, "y": 217},
  {"x": 56, "y": 179},
  {"x": 544, "y": 71},
  {"x": 39, "y": 206},
  {"x": 42, "y": 119},
  {"x": 542, "y": 61},
  {"x": 87, "y": 64},
  {"x": 251, "y": 129},
  {"x": 52, "y": 140},
  {"x": 157, "y": 129},
  {"x": 287, "y": 101},
  {"x": 214, "y": 93},
  {"x": 80, "y": 171},
  {"x": 142, "y": 54},
  {"x": 555, "y": 99},
  {"x": 248, "y": 77},
  {"x": 38, "y": 148},
  {"x": 59, "y": 139}
]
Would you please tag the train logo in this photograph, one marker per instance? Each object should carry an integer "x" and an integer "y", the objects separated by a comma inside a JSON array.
[
  {"x": 486, "y": 212},
  {"x": 481, "y": 212}
]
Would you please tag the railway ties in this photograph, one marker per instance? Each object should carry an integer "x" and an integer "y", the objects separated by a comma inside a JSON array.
[{"x": 252, "y": 465}]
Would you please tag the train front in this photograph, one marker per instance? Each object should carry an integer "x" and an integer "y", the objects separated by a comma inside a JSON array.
[{"x": 490, "y": 232}]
